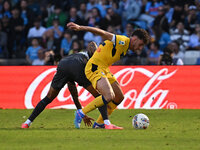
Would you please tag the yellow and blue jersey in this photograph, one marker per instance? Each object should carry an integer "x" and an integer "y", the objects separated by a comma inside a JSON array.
[{"x": 110, "y": 51}]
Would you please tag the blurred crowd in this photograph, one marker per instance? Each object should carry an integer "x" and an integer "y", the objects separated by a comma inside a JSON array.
[{"x": 36, "y": 29}]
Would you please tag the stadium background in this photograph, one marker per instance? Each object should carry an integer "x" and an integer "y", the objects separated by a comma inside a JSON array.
[
  {"x": 173, "y": 22},
  {"x": 33, "y": 32}
]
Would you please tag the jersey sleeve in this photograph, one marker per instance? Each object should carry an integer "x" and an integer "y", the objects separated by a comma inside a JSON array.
[
  {"x": 113, "y": 39},
  {"x": 122, "y": 41}
]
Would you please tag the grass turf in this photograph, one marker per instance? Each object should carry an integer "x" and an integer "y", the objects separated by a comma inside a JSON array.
[{"x": 54, "y": 129}]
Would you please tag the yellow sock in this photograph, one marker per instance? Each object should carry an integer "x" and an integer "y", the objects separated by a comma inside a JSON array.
[
  {"x": 97, "y": 102},
  {"x": 110, "y": 108}
]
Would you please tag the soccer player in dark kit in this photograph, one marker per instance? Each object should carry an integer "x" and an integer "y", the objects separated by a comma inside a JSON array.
[{"x": 70, "y": 70}]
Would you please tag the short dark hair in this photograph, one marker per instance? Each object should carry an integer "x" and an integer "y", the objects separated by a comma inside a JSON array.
[
  {"x": 168, "y": 50},
  {"x": 142, "y": 35}
]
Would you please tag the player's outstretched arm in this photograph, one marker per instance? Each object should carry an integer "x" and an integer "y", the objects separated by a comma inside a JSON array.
[
  {"x": 73, "y": 90},
  {"x": 104, "y": 34}
]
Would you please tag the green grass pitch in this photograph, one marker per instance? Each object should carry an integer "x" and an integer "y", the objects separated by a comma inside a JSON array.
[{"x": 54, "y": 129}]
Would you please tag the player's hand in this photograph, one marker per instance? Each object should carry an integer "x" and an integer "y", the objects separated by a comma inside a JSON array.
[
  {"x": 88, "y": 120},
  {"x": 74, "y": 26}
]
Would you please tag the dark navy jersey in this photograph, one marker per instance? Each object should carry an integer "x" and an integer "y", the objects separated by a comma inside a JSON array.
[{"x": 71, "y": 68}]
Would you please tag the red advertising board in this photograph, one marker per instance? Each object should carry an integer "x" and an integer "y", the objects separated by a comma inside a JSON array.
[{"x": 147, "y": 87}]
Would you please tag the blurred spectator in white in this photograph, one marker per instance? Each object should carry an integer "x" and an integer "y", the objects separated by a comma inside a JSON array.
[
  {"x": 89, "y": 36},
  {"x": 194, "y": 43},
  {"x": 32, "y": 51},
  {"x": 181, "y": 35},
  {"x": 60, "y": 14},
  {"x": 177, "y": 54},
  {"x": 56, "y": 28},
  {"x": 76, "y": 47},
  {"x": 192, "y": 18},
  {"x": 167, "y": 58},
  {"x": 3, "y": 43},
  {"x": 66, "y": 43},
  {"x": 154, "y": 53},
  {"x": 37, "y": 31},
  {"x": 6, "y": 10},
  {"x": 40, "y": 60}
]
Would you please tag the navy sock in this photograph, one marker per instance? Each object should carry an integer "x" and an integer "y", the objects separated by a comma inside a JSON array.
[
  {"x": 39, "y": 108},
  {"x": 104, "y": 100},
  {"x": 103, "y": 111},
  {"x": 115, "y": 103}
]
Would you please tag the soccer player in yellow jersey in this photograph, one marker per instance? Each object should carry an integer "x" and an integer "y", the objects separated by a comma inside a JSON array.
[{"x": 97, "y": 69}]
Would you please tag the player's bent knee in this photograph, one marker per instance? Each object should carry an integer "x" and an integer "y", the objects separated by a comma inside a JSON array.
[
  {"x": 119, "y": 98},
  {"x": 109, "y": 97}
]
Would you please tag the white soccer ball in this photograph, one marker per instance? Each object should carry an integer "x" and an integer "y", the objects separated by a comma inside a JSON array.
[{"x": 140, "y": 121}]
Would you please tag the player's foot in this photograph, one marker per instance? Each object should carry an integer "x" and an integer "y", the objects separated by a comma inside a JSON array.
[
  {"x": 113, "y": 127},
  {"x": 24, "y": 125},
  {"x": 98, "y": 126},
  {"x": 78, "y": 119}
]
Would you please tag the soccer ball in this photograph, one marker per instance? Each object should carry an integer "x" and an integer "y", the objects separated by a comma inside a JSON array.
[{"x": 140, "y": 121}]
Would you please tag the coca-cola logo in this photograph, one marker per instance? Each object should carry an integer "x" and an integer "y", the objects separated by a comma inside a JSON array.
[{"x": 141, "y": 89}]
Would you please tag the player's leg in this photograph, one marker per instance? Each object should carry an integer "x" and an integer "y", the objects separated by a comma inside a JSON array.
[
  {"x": 102, "y": 109},
  {"x": 111, "y": 106},
  {"x": 59, "y": 80},
  {"x": 107, "y": 94},
  {"x": 103, "y": 86},
  {"x": 52, "y": 94}
]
